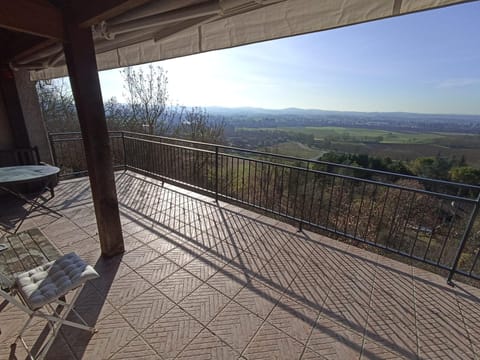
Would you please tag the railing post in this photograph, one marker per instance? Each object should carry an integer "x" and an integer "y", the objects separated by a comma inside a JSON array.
[
  {"x": 216, "y": 173},
  {"x": 52, "y": 147},
  {"x": 300, "y": 224},
  {"x": 464, "y": 240},
  {"x": 124, "y": 152}
]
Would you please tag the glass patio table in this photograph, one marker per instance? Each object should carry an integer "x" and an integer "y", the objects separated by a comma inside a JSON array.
[
  {"x": 10, "y": 175},
  {"x": 24, "y": 174}
]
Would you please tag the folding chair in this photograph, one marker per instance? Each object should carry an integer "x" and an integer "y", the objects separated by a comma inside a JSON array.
[{"x": 45, "y": 286}]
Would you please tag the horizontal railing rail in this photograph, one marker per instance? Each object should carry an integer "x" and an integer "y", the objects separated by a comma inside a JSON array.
[
  {"x": 308, "y": 161},
  {"x": 429, "y": 220}
]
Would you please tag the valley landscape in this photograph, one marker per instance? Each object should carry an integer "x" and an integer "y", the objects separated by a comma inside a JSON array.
[{"x": 313, "y": 133}]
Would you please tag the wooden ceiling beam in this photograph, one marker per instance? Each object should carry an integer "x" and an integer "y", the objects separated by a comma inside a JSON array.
[
  {"x": 36, "y": 17},
  {"x": 92, "y": 12},
  {"x": 23, "y": 49}
]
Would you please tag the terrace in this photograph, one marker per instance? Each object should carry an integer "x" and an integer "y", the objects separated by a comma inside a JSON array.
[
  {"x": 205, "y": 278},
  {"x": 201, "y": 275}
]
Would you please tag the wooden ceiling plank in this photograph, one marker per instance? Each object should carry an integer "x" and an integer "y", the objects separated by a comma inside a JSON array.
[
  {"x": 20, "y": 51},
  {"x": 32, "y": 17}
]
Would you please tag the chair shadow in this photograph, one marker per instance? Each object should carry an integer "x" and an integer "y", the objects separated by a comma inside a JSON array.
[
  {"x": 14, "y": 211},
  {"x": 89, "y": 305}
]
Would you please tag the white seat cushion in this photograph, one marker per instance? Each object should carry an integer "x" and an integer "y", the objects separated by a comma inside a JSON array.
[{"x": 48, "y": 282}]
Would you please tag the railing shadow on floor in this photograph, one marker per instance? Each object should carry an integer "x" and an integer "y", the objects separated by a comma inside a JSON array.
[
  {"x": 333, "y": 254},
  {"x": 71, "y": 195},
  {"x": 306, "y": 236},
  {"x": 132, "y": 192}
]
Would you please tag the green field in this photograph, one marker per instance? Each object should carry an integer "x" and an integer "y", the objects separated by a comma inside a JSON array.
[
  {"x": 294, "y": 148},
  {"x": 398, "y": 145},
  {"x": 368, "y": 135}
]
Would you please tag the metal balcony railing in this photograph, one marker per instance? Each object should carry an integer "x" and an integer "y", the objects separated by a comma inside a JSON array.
[{"x": 432, "y": 221}]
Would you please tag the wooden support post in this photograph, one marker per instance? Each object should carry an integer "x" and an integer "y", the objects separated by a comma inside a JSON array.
[{"x": 82, "y": 68}]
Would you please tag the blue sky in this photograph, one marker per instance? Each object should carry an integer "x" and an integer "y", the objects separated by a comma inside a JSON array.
[{"x": 427, "y": 62}]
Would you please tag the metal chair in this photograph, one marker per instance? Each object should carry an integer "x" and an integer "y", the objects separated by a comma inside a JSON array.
[{"x": 45, "y": 286}]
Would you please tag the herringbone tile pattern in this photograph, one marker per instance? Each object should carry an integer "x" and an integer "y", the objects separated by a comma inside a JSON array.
[
  {"x": 201, "y": 280},
  {"x": 138, "y": 348},
  {"x": 229, "y": 281},
  {"x": 157, "y": 270},
  {"x": 208, "y": 346},
  {"x": 272, "y": 343},
  {"x": 126, "y": 289},
  {"x": 178, "y": 285},
  {"x": 293, "y": 318},
  {"x": 258, "y": 298},
  {"x": 171, "y": 333},
  {"x": 183, "y": 255},
  {"x": 204, "y": 303},
  {"x": 235, "y": 325},
  {"x": 146, "y": 308},
  {"x": 115, "y": 333}
]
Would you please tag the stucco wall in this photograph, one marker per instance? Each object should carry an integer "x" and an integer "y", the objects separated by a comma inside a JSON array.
[{"x": 33, "y": 116}]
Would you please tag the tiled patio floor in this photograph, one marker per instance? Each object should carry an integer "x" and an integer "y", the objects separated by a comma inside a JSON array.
[{"x": 207, "y": 281}]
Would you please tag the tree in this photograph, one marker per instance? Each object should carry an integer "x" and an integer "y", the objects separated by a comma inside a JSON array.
[
  {"x": 57, "y": 105},
  {"x": 147, "y": 108},
  {"x": 196, "y": 125},
  {"x": 465, "y": 174},
  {"x": 431, "y": 167},
  {"x": 147, "y": 98},
  {"x": 119, "y": 117}
]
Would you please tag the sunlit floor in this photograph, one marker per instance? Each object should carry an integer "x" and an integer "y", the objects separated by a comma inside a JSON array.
[{"x": 202, "y": 280}]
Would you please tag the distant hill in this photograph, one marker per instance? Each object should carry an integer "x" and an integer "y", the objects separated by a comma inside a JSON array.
[
  {"x": 257, "y": 111},
  {"x": 271, "y": 118}
]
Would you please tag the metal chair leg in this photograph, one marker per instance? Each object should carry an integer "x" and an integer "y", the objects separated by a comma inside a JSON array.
[{"x": 55, "y": 322}]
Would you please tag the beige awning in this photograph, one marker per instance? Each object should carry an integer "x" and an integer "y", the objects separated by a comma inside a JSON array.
[{"x": 163, "y": 29}]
